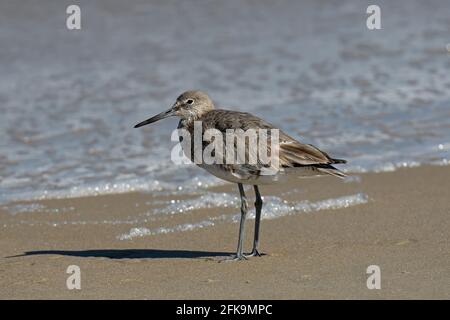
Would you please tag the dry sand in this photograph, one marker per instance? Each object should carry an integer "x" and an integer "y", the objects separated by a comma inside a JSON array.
[{"x": 404, "y": 229}]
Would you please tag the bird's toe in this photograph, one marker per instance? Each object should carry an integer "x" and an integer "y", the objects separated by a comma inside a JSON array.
[
  {"x": 254, "y": 253},
  {"x": 234, "y": 258}
]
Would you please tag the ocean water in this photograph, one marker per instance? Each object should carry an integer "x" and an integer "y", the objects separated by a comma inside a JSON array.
[{"x": 69, "y": 99}]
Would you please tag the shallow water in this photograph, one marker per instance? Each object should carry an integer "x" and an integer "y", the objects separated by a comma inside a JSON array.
[
  {"x": 69, "y": 99},
  {"x": 157, "y": 220},
  {"x": 275, "y": 207}
]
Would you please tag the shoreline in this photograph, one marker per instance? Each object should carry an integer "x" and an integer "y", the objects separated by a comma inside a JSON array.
[
  {"x": 403, "y": 228},
  {"x": 70, "y": 194}
]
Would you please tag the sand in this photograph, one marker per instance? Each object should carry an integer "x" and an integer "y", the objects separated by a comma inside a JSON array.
[{"x": 404, "y": 229}]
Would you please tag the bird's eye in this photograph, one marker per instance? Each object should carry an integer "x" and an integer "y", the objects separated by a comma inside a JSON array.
[{"x": 190, "y": 101}]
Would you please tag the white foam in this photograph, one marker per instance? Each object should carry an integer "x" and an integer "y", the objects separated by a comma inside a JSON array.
[
  {"x": 205, "y": 201},
  {"x": 140, "y": 232},
  {"x": 36, "y": 207},
  {"x": 274, "y": 207}
]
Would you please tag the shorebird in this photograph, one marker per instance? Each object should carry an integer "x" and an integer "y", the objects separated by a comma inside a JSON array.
[{"x": 295, "y": 159}]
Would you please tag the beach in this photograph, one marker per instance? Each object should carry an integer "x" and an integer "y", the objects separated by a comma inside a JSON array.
[{"x": 403, "y": 228}]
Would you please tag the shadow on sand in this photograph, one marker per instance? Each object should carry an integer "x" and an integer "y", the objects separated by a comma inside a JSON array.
[{"x": 128, "y": 253}]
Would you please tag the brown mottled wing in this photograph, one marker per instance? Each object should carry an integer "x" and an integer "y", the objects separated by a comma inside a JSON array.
[
  {"x": 226, "y": 119},
  {"x": 292, "y": 153}
]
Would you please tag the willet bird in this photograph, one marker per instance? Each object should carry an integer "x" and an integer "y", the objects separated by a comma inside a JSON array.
[{"x": 295, "y": 159}]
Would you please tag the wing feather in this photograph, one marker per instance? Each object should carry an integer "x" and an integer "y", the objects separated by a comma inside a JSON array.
[{"x": 292, "y": 153}]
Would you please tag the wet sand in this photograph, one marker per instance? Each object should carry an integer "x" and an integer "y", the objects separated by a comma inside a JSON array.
[{"x": 404, "y": 229}]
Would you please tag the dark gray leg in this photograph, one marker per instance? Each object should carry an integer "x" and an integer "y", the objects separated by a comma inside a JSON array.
[
  {"x": 258, "y": 208},
  {"x": 244, "y": 206}
]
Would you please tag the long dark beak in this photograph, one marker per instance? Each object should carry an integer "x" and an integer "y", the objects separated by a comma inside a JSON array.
[{"x": 160, "y": 116}]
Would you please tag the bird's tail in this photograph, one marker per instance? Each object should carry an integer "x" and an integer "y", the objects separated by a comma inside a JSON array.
[
  {"x": 337, "y": 161},
  {"x": 332, "y": 171}
]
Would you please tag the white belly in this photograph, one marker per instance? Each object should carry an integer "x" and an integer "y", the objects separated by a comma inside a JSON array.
[{"x": 281, "y": 176}]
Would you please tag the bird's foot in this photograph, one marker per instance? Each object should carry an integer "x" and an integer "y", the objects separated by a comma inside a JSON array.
[
  {"x": 254, "y": 253},
  {"x": 237, "y": 257}
]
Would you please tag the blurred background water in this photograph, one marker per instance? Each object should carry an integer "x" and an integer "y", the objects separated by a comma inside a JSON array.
[{"x": 69, "y": 99}]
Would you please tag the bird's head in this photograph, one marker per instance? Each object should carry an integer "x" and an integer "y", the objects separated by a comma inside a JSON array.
[{"x": 190, "y": 105}]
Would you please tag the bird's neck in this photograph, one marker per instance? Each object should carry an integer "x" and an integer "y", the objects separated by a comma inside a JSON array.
[
  {"x": 187, "y": 123},
  {"x": 195, "y": 116}
]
